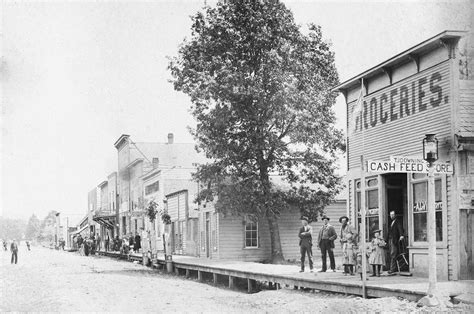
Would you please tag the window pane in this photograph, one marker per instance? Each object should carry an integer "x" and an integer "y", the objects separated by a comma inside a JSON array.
[
  {"x": 251, "y": 232},
  {"x": 373, "y": 199},
  {"x": 372, "y": 182},
  {"x": 419, "y": 175},
  {"x": 420, "y": 228},
  {"x": 439, "y": 226},
  {"x": 372, "y": 225},
  {"x": 358, "y": 201},
  {"x": 419, "y": 196},
  {"x": 438, "y": 195}
]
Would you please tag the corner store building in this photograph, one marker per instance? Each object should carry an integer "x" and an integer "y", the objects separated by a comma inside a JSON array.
[{"x": 425, "y": 89}]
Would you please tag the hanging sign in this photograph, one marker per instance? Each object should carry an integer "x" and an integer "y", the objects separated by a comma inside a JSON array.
[{"x": 407, "y": 167}]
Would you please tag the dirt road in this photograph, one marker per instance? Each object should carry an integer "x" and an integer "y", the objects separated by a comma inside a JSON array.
[{"x": 48, "y": 280}]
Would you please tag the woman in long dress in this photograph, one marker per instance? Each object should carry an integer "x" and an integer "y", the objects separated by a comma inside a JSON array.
[{"x": 347, "y": 241}]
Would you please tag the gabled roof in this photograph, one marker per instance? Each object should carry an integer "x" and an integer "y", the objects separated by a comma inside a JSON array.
[
  {"x": 103, "y": 183},
  {"x": 403, "y": 57},
  {"x": 151, "y": 174},
  {"x": 120, "y": 140},
  {"x": 133, "y": 163}
]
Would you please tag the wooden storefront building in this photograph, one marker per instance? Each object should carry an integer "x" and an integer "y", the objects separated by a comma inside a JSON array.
[
  {"x": 419, "y": 91},
  {"x": 243, "y": 238}
]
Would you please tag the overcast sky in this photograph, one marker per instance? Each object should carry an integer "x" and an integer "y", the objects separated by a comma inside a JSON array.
[{"x": 76, "y": 75}]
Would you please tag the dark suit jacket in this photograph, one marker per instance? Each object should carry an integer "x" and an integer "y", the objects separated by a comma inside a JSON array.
[
  {"x": 306, "y": 239},
  {"x": 395, "y": 231},
  {"x": 14, "y": 247},
  {"x": 332, "y": 235}
]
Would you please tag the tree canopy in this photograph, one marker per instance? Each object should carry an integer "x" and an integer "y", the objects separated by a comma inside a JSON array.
[{"x": 260, "y": 88}]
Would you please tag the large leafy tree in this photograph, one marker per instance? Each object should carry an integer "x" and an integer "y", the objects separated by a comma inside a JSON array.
[
  {"x": 33, "y": 228},
  {"x": 261, "y": 94}
]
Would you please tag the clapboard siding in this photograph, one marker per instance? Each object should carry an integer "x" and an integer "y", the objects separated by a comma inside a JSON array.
[
  {"x": 381, "y": 140},
  {"x": 231, "y": 240},
  {"x": 231, "y": 235},
  {"x": 173, "y": 208},
  {"x": 182, "y": 206},
  {"x": 466, "y": 106},
  {"x": 289, "y": 224}
]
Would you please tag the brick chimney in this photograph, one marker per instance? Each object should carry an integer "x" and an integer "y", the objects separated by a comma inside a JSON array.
[{"x": 170, "y": 138}]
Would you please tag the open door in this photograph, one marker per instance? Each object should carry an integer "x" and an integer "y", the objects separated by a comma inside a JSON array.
[{"x": 397, "y": 200}]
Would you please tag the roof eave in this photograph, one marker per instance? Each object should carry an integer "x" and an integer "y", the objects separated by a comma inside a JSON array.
[{"x": 399, "y": 58}]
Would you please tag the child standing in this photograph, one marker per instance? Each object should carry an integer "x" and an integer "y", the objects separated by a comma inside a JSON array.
[
  {"x": 349, "y": 255},
  {"x": 377, "y": 256}
]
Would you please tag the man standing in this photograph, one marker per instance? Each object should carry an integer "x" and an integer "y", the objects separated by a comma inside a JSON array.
[
  {"x": 14, "y": 250},
  {"x": 98, "y": 245},
  {"x": 395, "y": 235},
  {"x": 137, "y": 244},
  {"x": 107, "y": 241},
  {"x": 326, "y": 238},
  {"x": 306, "y": 243}
]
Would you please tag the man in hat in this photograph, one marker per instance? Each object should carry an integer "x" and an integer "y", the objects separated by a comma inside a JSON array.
[
  {"x": 306, "y": 243},
  {"x": 326, "y": 238},
  {"x": 395, "y": 235}
]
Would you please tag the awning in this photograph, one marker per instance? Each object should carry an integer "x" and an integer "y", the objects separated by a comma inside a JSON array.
[{"x": 106, "y": 220}]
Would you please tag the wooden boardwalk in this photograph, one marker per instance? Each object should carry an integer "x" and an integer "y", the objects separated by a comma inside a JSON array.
[{"x": 276, "y": 276}]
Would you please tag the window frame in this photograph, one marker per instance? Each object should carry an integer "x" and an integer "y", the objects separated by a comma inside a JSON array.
[
  {"x": 249, "y": 220},
  {"x": 416, "y": 179},
  {"x": 375, "y": 213}
]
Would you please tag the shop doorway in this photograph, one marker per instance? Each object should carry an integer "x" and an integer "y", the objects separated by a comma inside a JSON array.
[{"x": 396, "y": 199}]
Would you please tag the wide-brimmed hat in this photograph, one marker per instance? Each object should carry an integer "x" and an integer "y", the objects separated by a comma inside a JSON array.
[
  {"x": 347, "y": 218},
  {"x": 325, "y": 217},
  {"x": 375, "y": 231},
  {"x": 305, "y": 218}
]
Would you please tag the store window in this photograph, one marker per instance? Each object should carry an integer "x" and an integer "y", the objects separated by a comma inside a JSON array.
[
  {"x": 251, "y": 231},
  {"x": 420, "y": 205},
  {"x": 372, "y": 207}
]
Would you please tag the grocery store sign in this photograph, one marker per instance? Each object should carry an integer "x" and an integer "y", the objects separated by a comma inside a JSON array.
[{"x": 408, "y": 167}]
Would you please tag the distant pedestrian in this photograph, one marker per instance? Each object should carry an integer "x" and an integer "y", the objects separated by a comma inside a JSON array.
[
  {"x": 306, "y": 243},
  {"x": 28, "y": 245},
  {"x": 5, "y": 245},
  {"x": 131, "y": 242},
  {"x": 117, "y": 244},
  {"x": 14, "y": 250},
  {"x": 137, "y": 245},
  {"x": 98, "y": 242},
  {"x": 80, "y": 242},
  {"x": 107, "y": 242},
  {"x": 86, "y": 246},
  {"x": 377, "y": 255},
  {"x": 326, "y": 238},
  {"x": 92, "y": 245}
]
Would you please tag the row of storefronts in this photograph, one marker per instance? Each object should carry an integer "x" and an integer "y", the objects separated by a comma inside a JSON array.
[{"x": 423, "y": 90}]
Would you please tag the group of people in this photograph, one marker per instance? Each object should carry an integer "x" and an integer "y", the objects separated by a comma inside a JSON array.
[
  {"x": 349, "y": 239},
  {"x": 87, "y": 245},
  {"x": 14, "y": 249},
  {"x": 90, "y": 245}
]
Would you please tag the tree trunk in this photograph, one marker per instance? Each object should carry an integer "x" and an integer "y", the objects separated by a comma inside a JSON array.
[{"x": 277, "y": 254}]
